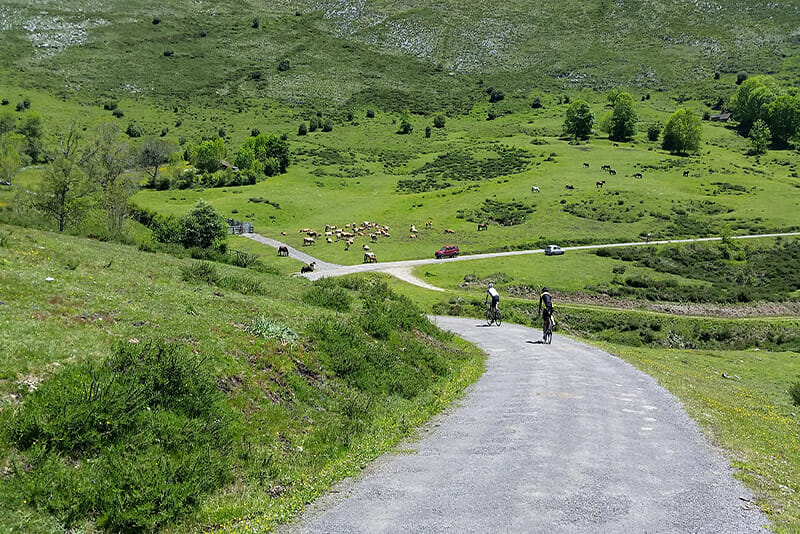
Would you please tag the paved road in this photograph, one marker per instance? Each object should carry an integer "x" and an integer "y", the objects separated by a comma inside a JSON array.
[
  {"x": 554, "y": 439},
  {"x": 403, "y": 269}
]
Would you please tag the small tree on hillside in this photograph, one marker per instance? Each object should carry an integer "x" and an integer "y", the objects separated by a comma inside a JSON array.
[
  {"x": 682, "y": 132},
  {"x": 579, "y": 120},
  {"x": 784, "y": 119},
  {"x": 752, "y": 100},
  {"x": 623, "y": 119},
  {"x": 64, "y": 193},
  {"x": 653, "y": 131},
  {"x": 203, "y": 227},
  {"x": 153, "y": 154},
  {"x": 11, "y": 147},
  {"x": 405, "y": 123},
  {"x": 438, "y": 121},
  {"x": 759, "y": 137},
  {"x": 302, "y": 129},
  {"x": 208, "y": 155}
]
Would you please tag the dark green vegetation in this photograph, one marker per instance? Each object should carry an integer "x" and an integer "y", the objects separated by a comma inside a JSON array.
[
  {"x": 735, "y": 272},
  {"x": 142, "y": 391}
]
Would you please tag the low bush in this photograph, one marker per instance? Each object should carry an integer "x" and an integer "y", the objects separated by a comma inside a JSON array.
[
  {"x": 794, "y": 393},
  {"x": 326, "y": 293},
  {"x": 269, "y": 329},
  {"x": 150, "y": 418}
]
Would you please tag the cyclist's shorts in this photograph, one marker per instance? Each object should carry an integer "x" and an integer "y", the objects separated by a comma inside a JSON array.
[{"x": 495, "y": 300}]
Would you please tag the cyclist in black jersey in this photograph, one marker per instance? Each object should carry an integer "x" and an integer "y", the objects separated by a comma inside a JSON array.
[{"x": 546, "y": 301}]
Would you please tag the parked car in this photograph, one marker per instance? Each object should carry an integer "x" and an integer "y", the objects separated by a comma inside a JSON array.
[
  {"x": 553, "y": 250},
  {"x": 450, "y": 251}
]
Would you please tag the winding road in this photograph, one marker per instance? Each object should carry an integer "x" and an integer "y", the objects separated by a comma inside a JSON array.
[
  {"x": 560, "y": 438},
  {"x": 403, "y": 269}
]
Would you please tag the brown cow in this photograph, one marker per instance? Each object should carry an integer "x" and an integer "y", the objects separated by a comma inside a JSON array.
[
  {"x": 449, "y": 231},
  {"x": 482, "y": 226},
  {"x": 283, "y": 251}
]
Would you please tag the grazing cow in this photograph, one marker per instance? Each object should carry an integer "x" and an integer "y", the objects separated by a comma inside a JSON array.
[
  {"x": 283, "y": 251},
  {"x": 428, "y": 225},
  {"x": 637, "y": 175},
  {"x": 616, "y": 145},
  {"x": 612, "y": 172},
  {"x": 329, "y": 240},
  {"x": 585, "y": 165},
  {"x": 365, "y": 246},
  {"x": 449, "y": 231},
  {"x": 283, "y": 233},
  {"x": 600, "y": 184},
  {"x": 374, "y": 237},
  {"x": 534, "y": 189},
  {"x": 412, "y": 236},
  {"x": 312, "y": 233},
  {"x": 482, "y": 226},
  {"x": 686, "y": 173},
  {"x": 569, "y": 186},
  {"x": 308, "y": 241},
  {"x": 369, "y": 257},
  {"x": 308, "y": 268},
  {"x": 413, "y": 229},
  {"x": 605, "y": 168}
]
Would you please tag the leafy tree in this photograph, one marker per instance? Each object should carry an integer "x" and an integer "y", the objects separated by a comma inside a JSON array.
[
  {"x": 153, "y": 154},
  {"x": 612, "y": 95},
  {"x": 64, "y": 194},
  {"x": 427, "y": 131},
  {"x": 327, "y": 126},
  {"x": 579, "y": 120},
  {"x": 8, "y": 122},
  {"x": 741, "y": 76},
  {"x": 302, "y": 129},
  {"x": 536, "y": 103},
  {"x": 604, "y": 124},
  {"x": 751, "y": 101},
  {"x": 496, "y": 96},
  {"x": 203, "y": 227},
  {"x": 12, "y": 146},
  {"x": 313, "y": 124},
  {"x": 623, "y": 119},
  {"x": 784, "y": 119},
  {"x": 269, "y": 152},
  {"x": 653, "y": 131},
  {"x": 208, "y": 155},
  {"x": 438, "y": 121},
  {"x": 682, "y": 132},
  {"x": 32, "y": 127},
  {"x": 759, "y": 137},
  {"x": 405, "y": 123}
]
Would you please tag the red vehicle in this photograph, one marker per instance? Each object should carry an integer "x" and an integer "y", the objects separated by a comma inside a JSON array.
[{"x": 450, "y": 251}]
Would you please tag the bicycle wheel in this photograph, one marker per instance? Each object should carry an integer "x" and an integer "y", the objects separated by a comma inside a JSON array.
[
  {"x": 548, "y": 336},
  {"x": 498, "y": 318},
  {"x": 489, "y": 319}
]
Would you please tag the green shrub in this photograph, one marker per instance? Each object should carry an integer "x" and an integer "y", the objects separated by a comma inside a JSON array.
[
  {"x": 133, "y": 130},
  {"x": 794, "y": 393},
  {"x": 370, "y": 113},
  {"x": 200, "y": 271},
  {"x": 326, "y": 293},
  {"x": 438, "y": 121},
  {"x": 283, "y": 65},
  {"x": 150, "y": 418},
  {"x": 327, "y": 126},
  {"x": 302, "y": 129}
]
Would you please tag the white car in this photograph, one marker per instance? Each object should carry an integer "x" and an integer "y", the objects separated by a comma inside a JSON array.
[{"x": 553, "y": 250}]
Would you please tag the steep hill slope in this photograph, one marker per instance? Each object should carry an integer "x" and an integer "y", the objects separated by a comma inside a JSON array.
[{"x": 423, "y": 55}]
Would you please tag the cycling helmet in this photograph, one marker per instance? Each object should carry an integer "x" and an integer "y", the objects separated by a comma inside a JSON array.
[
  {"x": 544, "y": 290},
  {"x": 491, "y": 284}
]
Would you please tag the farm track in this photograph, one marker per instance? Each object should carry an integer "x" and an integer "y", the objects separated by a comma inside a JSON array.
[
  {"x": 561, "y": 438},
  {"x": 402, "y": 269}
]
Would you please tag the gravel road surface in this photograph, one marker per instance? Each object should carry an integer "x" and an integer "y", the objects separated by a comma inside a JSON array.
[{"x": 553, "y": 438}]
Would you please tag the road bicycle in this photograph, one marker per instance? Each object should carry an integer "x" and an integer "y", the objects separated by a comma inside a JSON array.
[
  {"x": 547, "y": 336},
  {"x": 497, "y": 318}
]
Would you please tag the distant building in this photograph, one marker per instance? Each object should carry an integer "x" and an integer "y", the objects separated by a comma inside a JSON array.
[{"x": 721, "y": 117}]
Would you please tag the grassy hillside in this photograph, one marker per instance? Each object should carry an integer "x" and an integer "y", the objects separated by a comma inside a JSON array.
[
  {"x": 420, "y": 55},
  {"x": 124, "y": 369}
]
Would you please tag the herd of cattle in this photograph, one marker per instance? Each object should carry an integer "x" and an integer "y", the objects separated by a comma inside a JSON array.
[{"x": 600, "y": 183}]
